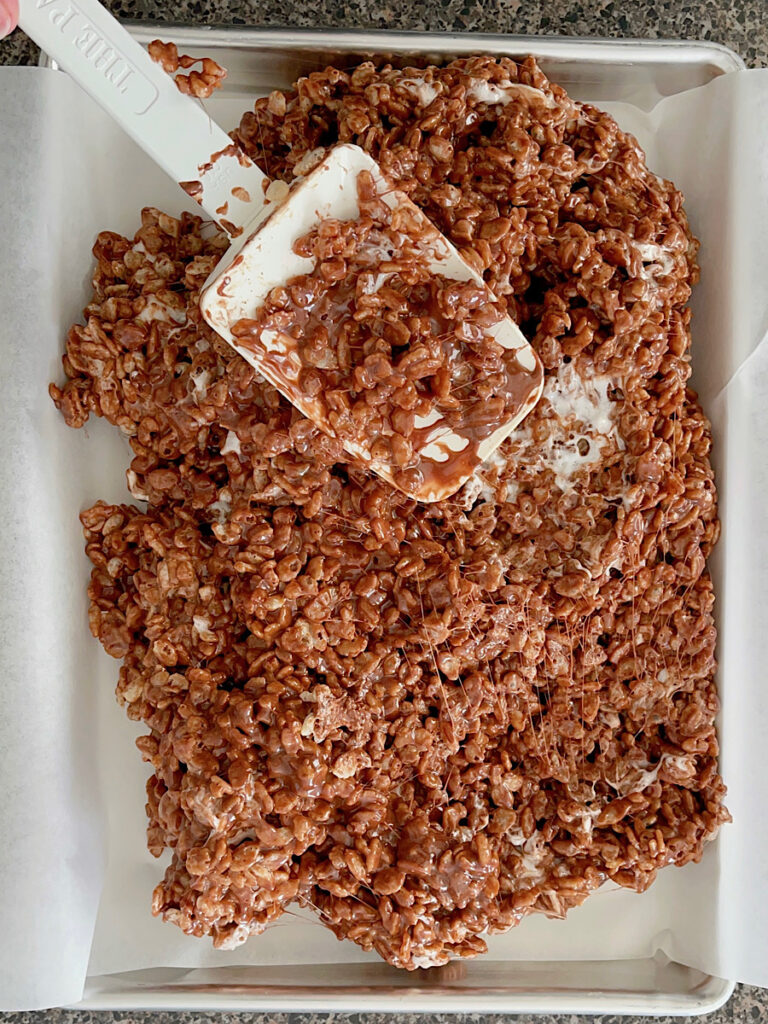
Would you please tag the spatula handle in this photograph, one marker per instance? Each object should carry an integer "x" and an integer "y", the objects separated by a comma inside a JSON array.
[{"x": 93, "y": 47}]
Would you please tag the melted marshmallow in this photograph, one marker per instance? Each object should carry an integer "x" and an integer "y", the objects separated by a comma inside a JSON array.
[
  {"x": 480, "y": 485},
  {"x": 157, "y": 310},
  {"x": 504, "y": 92},
  {"x": 657, "y": 260},
  {"x": 533, "y": 852},
  {"x": 202, "y": 627},
  {"x": 221, "y": 509},
  {"x": 640, "y": 775},
  {"x": 133, "y": 486},
  {"x": 232, "y": 443},
  {"x": 581, "y": 411},
  {"x": 424, "y": 92},
  {"x": 200, "y": 381}
]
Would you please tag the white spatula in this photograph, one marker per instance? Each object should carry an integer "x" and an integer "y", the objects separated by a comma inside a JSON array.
[{"x": 265, "y": 221}]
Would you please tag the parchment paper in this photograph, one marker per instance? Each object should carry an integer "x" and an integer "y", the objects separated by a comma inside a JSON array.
[{"x": 77, "y": 878}]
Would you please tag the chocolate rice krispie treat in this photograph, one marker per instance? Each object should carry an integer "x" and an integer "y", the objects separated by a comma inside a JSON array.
[{"x": 424, "y": 722}]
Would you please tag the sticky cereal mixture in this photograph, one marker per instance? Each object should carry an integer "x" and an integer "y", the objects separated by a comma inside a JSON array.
[
  {"x": 392, "y": 357},
  {"x": 423, "y": 722},
  {"x": 200, "y": 82}
]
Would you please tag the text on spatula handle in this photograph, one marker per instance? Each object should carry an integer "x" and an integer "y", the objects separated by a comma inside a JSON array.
[{"x": 103, "y": 55}]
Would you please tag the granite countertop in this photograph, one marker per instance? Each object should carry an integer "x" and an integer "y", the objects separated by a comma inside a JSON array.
[{"x": 739, "y": 24}]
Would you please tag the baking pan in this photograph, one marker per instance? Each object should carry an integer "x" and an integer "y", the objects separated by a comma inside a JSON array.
[{"x": 631, "y": 71}]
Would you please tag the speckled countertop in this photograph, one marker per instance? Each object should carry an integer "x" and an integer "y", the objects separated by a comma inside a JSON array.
[{"x": 740, "y": 24}]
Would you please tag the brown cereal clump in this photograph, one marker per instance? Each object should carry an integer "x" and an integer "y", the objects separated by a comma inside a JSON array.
[
  {"x": 200, "y": 84},
  {"x": 423, "y": 721}
]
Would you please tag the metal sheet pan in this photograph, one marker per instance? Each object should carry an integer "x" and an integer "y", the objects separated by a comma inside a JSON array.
[{"x": 633, "y": 71}]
